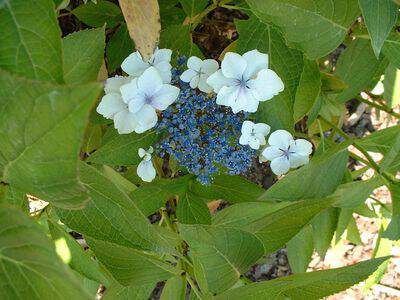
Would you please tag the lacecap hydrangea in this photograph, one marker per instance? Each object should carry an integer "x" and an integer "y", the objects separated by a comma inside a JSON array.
[{"x": 201, "y": 112}]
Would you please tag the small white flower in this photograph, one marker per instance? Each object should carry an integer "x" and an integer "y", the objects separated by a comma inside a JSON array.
[
  {"x": 134, "y": 65},
  {"x": 244, "y": 81},
  {"x": 284, "y": 152},
  {"x": 254, "y": 134},
  {"x": 145, "y": 169},
  {"x": 145, "y": 94},
  {"x": 113, "y": 107},
  {"x": 198, "y": 72}
]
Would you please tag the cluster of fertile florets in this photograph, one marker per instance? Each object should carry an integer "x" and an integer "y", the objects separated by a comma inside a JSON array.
[
  {"x": 203, "y": 136},
  {"x": 203, "y": 112}
]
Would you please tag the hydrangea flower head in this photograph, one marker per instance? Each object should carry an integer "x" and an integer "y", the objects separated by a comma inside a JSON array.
[
  {"x": 245, "y": 80},
  {"x": 284, "y": 152},
  {"x": 203, "y": 136}
]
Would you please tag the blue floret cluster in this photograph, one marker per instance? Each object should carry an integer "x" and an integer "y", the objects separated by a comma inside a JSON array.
[{"x": 202, "y": 135}]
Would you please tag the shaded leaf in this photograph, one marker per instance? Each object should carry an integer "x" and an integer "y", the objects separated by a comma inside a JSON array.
[
  {"x": 174, "y": 289},
  {"x": 317, "y": 28},
  {"x": 96, "y": 15},
  {"x": 193, "y": 7},
  {"x": 83, "y": 53},
  {"x": 324, "y": 226},
  {"x": 380, "y": 17},
  {"x": 393, "y": 230},
  {"x": 299, "y": 250},
  {"x": 120, "y": 292},
  {"x": 118, "y": 48},
  {"x": 192, "y": 210},
  {"x": 29, "y": 265},
  {"x": 42, "y": 128},
  {"x": 30, "y": 43}
]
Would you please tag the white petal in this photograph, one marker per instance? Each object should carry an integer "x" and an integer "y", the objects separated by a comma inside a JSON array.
[
  {"x": 209, "y": 66},
  {"x": 281, "y": 139},
  {"x": 280, "y": 165},
  {"x": 271, "y": 152},
  {"x": 262, "y": 159},
  {"x": 111, "y": 104},
  {"x": 150, "y": 81},
  {"x": 302, "y": 147},
  {"x": 141, "y": 152},
  {"x": 194, "y": 82},
  {"x": 147, "y": 118},
  {"x": 260, "y": 138},
  {"x": 244, "y": 139},
  {"x": 266, "y": 85},
  {"x": 217, "y": 80},
  {"x": 247, "y": 127},
  {"x": 188, "y": 75},
  {"x": 194, "y": 63},
  {"x": 256, "y": 61},
  {"x": 125, "y": 122},
  {"x": 130, "y": 91},
  {"x": 134, "y": 64},
  {"x": 244, "y": 101},
  {"x": 165, "y": 96},
  {"x": 161, "y": 55},
  {"x": 164, "y": 69},
  {"x": 227, "y": 95},
  {"x": 113, "y": 84},
  {"x": 203, "y": 86},
  {"x": 146, "y": 171},
  {"x": 297, "y": 160},
  {"x": 262, "y": 128},
  {"x": 233, "y": 65},
  {"x": 254, "y": 143}
]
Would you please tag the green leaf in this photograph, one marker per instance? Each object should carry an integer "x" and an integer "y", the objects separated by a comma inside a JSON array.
[
  {"x": 179, "y": 39},
  {"x": 96, "y": 15},
  {"x": 118, "y": 48},
  {"x": 220, "y": 254},
  {"x": 120, "y": 292},
  {"x": 130, "y": 266},
  {"x": 391, "y": 49},
  {"x": 151, "y": 196},
  {"x": 16, "y": 198},
  {"x": 241, "y": 214},
  {"x": 118, "y": 179},
  {"x": 174, "y": 289},
  {"x": 29, "y": 265},
  {"x": 345, "y": 216},
  {"x": 353, "y": 235},
  {"x": 380, "y": 17},
  {"x": 391, "y": 161},
  {"x": 358, "y": 68},
  {"x": 192, "y": 210},
  {"x": 80, "y": 260},
  {"x": 83, "y": 53},
  {"x": 170, "y": 14},
  {"x": 30, "y": 40},
  {"x": 316, "y": 180},
  {"x": 299, "y": 250},
  {"x": 286, "y": 62},
  {"x": 353, "y": 194},
  {"x": 122, "y": 149},
  {"x": 324, "y": 225},
  {"x": 393, "y": 230},
  {"x": 317, "y": 28},
  {"x": 193, "y": 7},
  {"x": 308, "y": 89},
  {"x": 230, "y": 188},
  {"x": 391, "y": 85},
  {"x": 276, "y": 229},
  {"x": 331, "y": 83},
  {"x": 307, "y": 286},
  {"x": 113, "y": 217},
  {"x": 42, "y": 128},
  {"x": 382, "y": 140}
]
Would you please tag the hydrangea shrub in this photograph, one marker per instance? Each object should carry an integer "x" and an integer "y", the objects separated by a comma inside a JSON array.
[{"x": 128, "y": 157}]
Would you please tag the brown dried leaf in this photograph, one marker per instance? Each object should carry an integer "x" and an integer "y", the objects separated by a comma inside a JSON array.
[{"x": 143, "y": 20}]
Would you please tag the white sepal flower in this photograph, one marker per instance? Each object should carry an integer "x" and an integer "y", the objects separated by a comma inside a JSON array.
[
  {"x": 113, "y": 107},
  {"x": 284, "y": 152},
  {"x": 146, "y": 94},
  {"x": 254, "y": 134},
  {"x": 245, "y": 80},
  {"x": 134, "y": 65},
  {"x": 145, "y": 169},
  {"x": 198, "y": 72}
]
